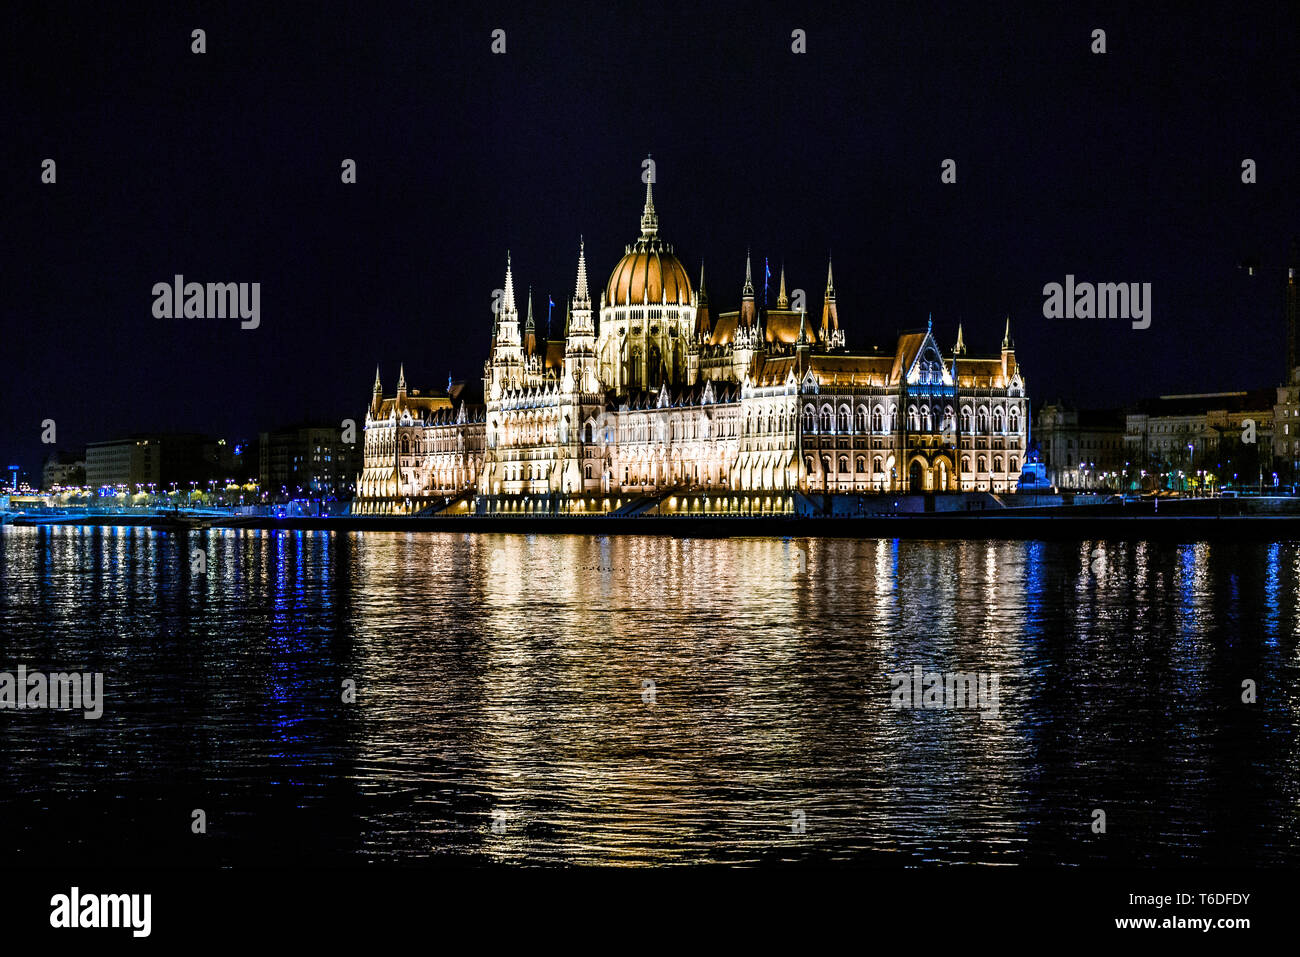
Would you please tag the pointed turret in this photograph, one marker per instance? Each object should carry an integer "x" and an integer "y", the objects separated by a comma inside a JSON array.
[
  {"x": 782, "y": 300},
  {"x": 582, "y": 297},
  {"x": 1008, "y": 353},
  {"x": 530, "y": 330},
  {"x": 703, "y": 321},
  {"x": 401, "y": 386},
  {"x": 748, "y": 312},
  {"x": 960, "y": 348},
  {"x": 830, "y": 313},
  {"x": 508, "y": 301},
  {"x": 377, "y": 394}
]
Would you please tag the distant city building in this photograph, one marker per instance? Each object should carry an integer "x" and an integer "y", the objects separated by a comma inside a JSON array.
[
  {"x": 1081, "y": 448},
  {"x": 161, "y": 461},
  {"x": 737, "y": 414},
  {"x": 1199, "y": 441},
  {"x": 64, "y": 470},
  {"x": 308, "y": 460}
]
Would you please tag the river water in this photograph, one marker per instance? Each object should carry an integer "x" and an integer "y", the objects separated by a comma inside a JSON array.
[{"x": 436, "y": 698}]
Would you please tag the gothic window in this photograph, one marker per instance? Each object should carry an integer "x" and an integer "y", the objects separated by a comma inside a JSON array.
[
  {"x": 927, "y": 422},
  {"x": 844, "y": 419},
  {"x": 861, "y": 417},
  {"x": 877, "y": 465},
  {"x": 997, "y": 420},
  {"x": 997, "y": 463},
  {"x": 826, "y": 464},
  {"x": 984, "y": 464},
  {"x": 877, "y": 420},
  {"x": 826, "y": 420},
  {"x": 808, "y": 419},
  {"x": 862, "y": 463},
  {"x": 913, "y": 419},
  {"x": 1015, "y": 421},
  {"x": 844, "y": 464},
  {"x": 982, "y": 421},
  {"x": 965, "y": 420}
]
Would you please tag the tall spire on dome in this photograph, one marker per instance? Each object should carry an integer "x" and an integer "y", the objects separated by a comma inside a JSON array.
[
  {"x": 649, "y": 218},
  {"x": 782, "y": 300}
]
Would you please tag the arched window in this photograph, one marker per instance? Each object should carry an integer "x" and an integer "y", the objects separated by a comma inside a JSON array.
[
  {"x": 1014, "y": 421},
  {"x": 984, "y": 464},
  {"x": 982, "y": 421},
  {"x": 927, "y": 423},
  {"x": 913, "y": 419},
  {"x": 997, "y": 420},
  {"x": 965, "y": 420},
  {"x": 808, "y": 419},
  {"x": 877, "y": 420},
  {"x": 997, "y": 463},
  {"x": 861, "y": 418},
  {"x": 844, "y": 464},
  {"x": 844, "y": 418},
  {"x": 862, "y": 463},
  {"x": 826, "y": 419}
]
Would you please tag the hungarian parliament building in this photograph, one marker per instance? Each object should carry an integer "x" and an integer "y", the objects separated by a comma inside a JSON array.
[{"x": 663, "y": 401}]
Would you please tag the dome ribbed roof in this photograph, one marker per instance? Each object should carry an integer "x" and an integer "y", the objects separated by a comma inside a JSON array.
[{"x": 648, "y": 273}]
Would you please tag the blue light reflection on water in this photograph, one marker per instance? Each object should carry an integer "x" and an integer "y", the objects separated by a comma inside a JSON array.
[{"x": 508, "y": 672}]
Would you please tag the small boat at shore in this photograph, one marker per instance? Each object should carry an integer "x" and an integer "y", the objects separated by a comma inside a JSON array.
[{"x": 177, "y": 522}]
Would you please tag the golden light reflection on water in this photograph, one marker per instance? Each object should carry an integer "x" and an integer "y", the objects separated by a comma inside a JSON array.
[{"x": 648, "y": 700}]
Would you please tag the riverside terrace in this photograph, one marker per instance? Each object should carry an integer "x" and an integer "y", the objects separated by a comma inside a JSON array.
[{"x": 907, "y": 516}]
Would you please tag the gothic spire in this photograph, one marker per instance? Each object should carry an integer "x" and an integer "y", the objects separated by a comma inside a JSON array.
[
  {"x": 960, "y": 348},
  {"x": 508, "y": 302},
  {"x": 649, "y": 218},
  {"x": 378, "y": 388},
  {"x": 748, "y": 291},
  {"x": 530, "y": 334},
  {"x": 582, "y": 296},
  {"x": 401, "y": 379},
  {"x": 830, "y": 312},
  {"x": 1006, "y": 337},
  {"x": 704, "y": 296},
  {"x": 782, "y": 300}
]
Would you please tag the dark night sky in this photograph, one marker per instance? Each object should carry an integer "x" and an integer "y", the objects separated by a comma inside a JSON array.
[{"x": 225, "y": 167}]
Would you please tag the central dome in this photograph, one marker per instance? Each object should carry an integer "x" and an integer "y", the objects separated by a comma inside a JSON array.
[{"x": 648, "y": 273}]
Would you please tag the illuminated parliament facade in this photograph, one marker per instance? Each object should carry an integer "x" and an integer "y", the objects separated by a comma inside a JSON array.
[{"x": 664, "y": 401}]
